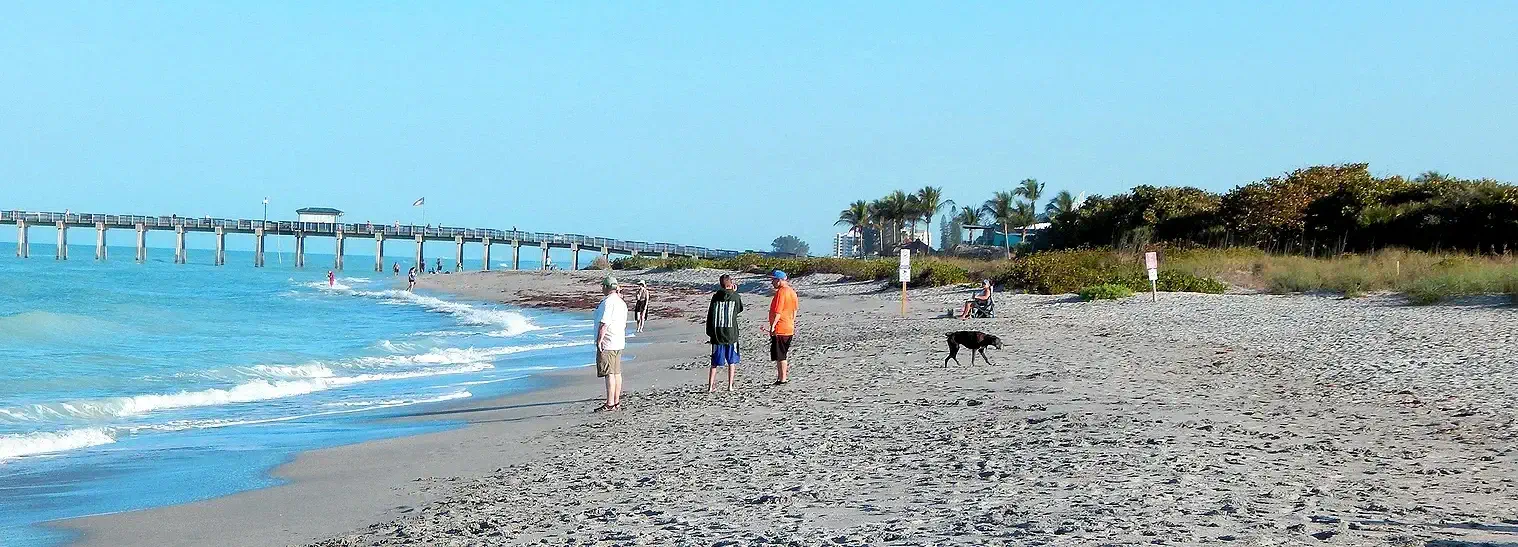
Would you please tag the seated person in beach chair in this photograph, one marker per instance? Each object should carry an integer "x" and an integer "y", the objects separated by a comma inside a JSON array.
[{"x": 980, "y": 306}]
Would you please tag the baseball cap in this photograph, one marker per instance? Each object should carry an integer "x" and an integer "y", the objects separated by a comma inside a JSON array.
[
  {"x": 777, "y": 274},
  {"x": 609, "y": 282}
]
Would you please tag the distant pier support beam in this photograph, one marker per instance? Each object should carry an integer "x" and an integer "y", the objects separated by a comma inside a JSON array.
[
  {"x": 22, "y": 247},
  {"x": 100, "y": 248},
  {"x": 63, "y": 242},
  {"x": 142, "y": 242},
  {"x": 516, "y": 254},
  {"x": 258, "y": 247},
  {"x": 544, "y": 266},
  {"x": 458, "y": 253},
  {"x": 606, "y": 255},
  {"x": 574, "y": 256},
  {"x": 421, "y": 260},
  {"x": 179, "y": 252},
  {"x": 485, "y": 263},
  {"x": 664, "y": 255},
  {"x": 221, "y": 246},
  {"x": 337, "y": 261},
  {"x": 379, "y": 251},
  {"x": 300, "y": 249}
]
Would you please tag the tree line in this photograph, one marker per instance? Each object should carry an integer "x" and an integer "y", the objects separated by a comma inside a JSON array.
[
  {"x": 1326, "y": 209},
  {"x": 899, "y": 212}
]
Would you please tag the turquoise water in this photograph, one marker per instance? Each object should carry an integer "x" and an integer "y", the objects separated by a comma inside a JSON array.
[{"x": 127, "y": 385}]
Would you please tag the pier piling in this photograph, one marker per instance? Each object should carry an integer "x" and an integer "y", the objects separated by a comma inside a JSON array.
[
  {"x": 179, "y": 251},
  {"x": 458, "y": 253},
  {"x": 516, "y": 254},
  {"x": 485, "y": 263},
  {"x": 574, "y": 256},
  {"x": 100, "y": 248},
  {"x": 337, "y": 261},
  {"x": 221, "y": 246},
  {"x": 544, "y": 265},
  {"x": 379, "y": 251},
  {"x": 300, "y": 249},
  {"x": 142, "y": 242},
  {"x": 22, "y": 247},
  {"x": 421, "y": 261},
  {"x": 63, "y": 242},
  {"x": 258, "y": 247}
]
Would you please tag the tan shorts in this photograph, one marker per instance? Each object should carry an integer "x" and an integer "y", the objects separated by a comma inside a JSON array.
[{"x": 608, "y": 362}]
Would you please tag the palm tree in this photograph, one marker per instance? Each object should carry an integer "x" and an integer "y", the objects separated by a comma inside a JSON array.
[
  {"x": 1062, "y": 203},
  {"x": 857, "y": 218},
  {"x": 1031, "y": 189},
  {"x": 930, "y": 202},
  {"x": 969, "y": 217},
  {"x": 1001, "y": 209},
  {"x": 898, "y": 208}
]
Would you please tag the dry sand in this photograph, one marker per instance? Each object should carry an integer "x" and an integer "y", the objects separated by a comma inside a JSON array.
[{"x": 1239, "y": 419}]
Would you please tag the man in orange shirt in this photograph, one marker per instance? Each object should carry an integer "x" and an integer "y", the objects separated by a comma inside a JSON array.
[{"x": 781, "y": 325}]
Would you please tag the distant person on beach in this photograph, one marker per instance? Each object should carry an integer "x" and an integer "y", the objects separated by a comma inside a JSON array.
[
  {"x": 331, "y": 279},
  {"x": 981, "y": 297},
  {"x": 395, "y": 268},
  {"x": 439, "y": 267},
  {"x": 611, "y": 337},
  {"x": 410, "y": 278},
  {"x": 781, "y": 325},
  {"x": 722, "y": 331},
  {"x": 640, "y": 304}
]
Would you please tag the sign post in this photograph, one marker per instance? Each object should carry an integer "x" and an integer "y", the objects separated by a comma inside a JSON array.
[
  {"x": 1152, "y": 263},
  {"x": 904, "y": 273}
]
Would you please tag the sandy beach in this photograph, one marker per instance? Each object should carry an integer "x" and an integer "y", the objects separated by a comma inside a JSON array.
[{"x": 1200, "y": 419}]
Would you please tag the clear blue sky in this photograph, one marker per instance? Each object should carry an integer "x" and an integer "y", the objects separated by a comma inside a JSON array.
[{"x": 724, "y": 124}]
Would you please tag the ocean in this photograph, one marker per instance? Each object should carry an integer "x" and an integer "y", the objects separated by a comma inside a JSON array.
[{"x": 125, "y": 386}]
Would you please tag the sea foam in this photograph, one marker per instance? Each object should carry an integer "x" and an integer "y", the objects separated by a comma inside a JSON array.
[{"x": 47, "y": 442}]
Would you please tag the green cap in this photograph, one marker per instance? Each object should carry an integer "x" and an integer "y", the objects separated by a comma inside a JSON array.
[{"x": 609, "y": 282}]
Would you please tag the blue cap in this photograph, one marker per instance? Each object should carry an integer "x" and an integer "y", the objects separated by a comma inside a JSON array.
[{"x": 777, "y": 274}]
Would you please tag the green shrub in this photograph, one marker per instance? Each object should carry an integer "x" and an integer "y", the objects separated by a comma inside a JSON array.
[
  {"x": 1290, "y": 281},
  {"x": 636, "y": 263},
  {"x": 682, "y": 263},
  {"x": 935, "y": 273},
  {"x": 600, "y": 263},
  {"x": 1178, "y": 281},
  {"x": 1105, "y": 291}
]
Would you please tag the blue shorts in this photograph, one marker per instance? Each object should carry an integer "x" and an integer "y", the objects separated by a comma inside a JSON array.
[{"x": 724, "y": 355}]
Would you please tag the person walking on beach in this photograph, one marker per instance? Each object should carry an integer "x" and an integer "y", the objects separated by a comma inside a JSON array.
[
  {"x": 611, "y": 333},
  {"x": 640, "y": 304},
  {"x": 722, "y": 331},
  {"x": 781, "y": 325},
  {"x": 331, "y": 279},
  {"x": 439, "y": 267},
  {"x": 395, "y": 268},
  {"x": 410, "y": 278}
]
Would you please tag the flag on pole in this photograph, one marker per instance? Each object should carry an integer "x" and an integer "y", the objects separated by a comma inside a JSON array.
[{"x": 418, "y": 202}]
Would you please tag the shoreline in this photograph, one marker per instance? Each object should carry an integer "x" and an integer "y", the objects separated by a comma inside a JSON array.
[
  {"x": 1199, "y": 419},
  {"x": 366, "y": 493}
]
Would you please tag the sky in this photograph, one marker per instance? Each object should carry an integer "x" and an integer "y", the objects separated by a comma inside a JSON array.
[{"x": 724, "y": 124}]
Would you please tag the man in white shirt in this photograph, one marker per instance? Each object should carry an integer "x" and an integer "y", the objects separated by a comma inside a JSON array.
[{"x": 611, "y": 337}]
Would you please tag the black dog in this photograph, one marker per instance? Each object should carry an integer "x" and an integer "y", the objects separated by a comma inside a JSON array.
[{"x": 975, "y": 341}]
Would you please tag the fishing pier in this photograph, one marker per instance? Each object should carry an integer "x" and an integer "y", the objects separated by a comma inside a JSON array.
[{"x": 340, "y": 233}]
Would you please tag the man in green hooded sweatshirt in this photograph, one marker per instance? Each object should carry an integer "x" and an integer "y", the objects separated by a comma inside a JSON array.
[{"x": 722, "y": 331}]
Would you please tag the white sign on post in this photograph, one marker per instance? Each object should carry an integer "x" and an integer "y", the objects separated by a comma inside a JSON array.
[
  {"x": 904, "y": 271},
  {"x": 1152, "y": 263}
]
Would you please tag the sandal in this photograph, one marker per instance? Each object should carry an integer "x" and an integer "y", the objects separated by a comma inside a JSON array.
[{"x": 602, "y": 408}]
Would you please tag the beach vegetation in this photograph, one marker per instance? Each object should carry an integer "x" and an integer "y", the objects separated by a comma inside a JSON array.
[
  {"x": 1105, "y": 291},
  {"x": 1329, "y": 228}
]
